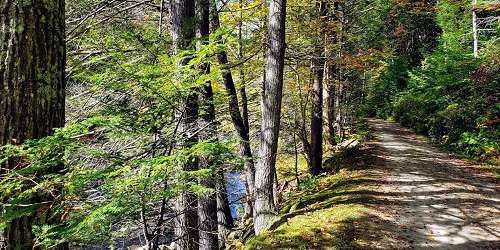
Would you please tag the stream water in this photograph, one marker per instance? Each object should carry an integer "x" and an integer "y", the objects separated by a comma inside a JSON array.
[{"x": 236, "y": 192}]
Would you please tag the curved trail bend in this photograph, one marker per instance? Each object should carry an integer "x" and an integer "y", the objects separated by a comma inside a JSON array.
[{"x": 426, "y": 199}]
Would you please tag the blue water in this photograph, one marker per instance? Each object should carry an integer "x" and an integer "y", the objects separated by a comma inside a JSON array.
[{"x": 236, "y": 192}]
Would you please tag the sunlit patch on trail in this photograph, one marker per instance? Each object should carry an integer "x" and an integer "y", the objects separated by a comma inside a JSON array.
[{"x": 436, "y": 201}]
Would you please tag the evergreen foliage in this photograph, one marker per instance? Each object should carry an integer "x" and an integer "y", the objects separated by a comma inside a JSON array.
[
  {"x": 113, "y": 172},
  {"x": 450, "y": 95}
]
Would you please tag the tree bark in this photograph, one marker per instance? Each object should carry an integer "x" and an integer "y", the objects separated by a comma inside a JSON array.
[
  {"x": 207, "y": 204},
  {"x": 475, "y": 33},
  {"x": 237, "y": 118},
  {"x": 339, "y": 92},
  {"x": 243, "y": 91},
  {"x": 317, "y": 67},
  {"x": 330, "y": 105},
  {"x": 245, "y": 149},
  {"x": 160, "y": 22},
  {"x": 332, "y": 76},
  {"x": 271, "y": 110},
  {"x": 183, "y": 34},
  {"x": 224, "y": 217},
  {"x": 317, "y": 117},
  {"x": 32, "y": 84}
]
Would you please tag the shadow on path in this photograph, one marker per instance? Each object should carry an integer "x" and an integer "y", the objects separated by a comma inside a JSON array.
[{"x": 421, "y": 198}]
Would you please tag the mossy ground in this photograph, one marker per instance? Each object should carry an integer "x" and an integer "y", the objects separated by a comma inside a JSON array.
[
  {"x": 329, "y": 228},
  {"x": 321, "y": 215}
]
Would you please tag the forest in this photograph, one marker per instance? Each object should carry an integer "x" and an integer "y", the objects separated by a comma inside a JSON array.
[{"x": 249, "y": 124}]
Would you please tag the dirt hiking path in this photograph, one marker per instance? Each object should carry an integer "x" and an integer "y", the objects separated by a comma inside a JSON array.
[{"x": 426, "y": 199}]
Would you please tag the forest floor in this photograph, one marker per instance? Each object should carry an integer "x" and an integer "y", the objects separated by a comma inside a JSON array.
[
  {"x": 425, "y": 198},
  {"x": 396, "y": 192}
]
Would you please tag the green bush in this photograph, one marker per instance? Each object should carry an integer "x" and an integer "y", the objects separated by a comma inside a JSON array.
[{"x": 452, "y": 97}]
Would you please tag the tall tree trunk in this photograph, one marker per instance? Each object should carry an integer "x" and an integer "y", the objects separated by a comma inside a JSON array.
[
  {"x": 183, "y": 34},
  {"x": 318, "y": 66},
  {"x": 244, "y": 146},
  {"x": 243, "y": 91},
  {"x": 32, "y": 84},
  {"x": 237, "y": 118},
  {"x": 332, "y": 76},
  {"x": 475, "y": 32},
  {"x": 207, "y": 204},
  {"x": 339, "y": 93},
  {"x": 224, "y": 217},
  {"x": 330, "y": 104},
  {"x": 271, "y": 110},
  {"x": 317, "y": 117},
  {"x": 160, "y": 22}
]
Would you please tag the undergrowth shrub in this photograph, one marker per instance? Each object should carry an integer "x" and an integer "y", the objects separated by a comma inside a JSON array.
[{"x": 452, "y": 97}]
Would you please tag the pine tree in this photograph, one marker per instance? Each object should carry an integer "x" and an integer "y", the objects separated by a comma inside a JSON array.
[
  {"x": 183, "y": 34},
  {"x": 272, "y": 92},
  {"x": 32, "y": 84}
]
